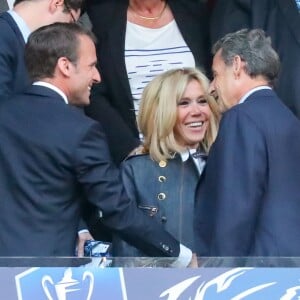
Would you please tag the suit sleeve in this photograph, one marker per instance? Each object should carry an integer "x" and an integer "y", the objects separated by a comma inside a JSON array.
[
  {"x": 127, "y": 175},
  {"x": 103, "y": 187},
  {"x": 228, "y": 197},
  {"x": 121, "y": 247}
]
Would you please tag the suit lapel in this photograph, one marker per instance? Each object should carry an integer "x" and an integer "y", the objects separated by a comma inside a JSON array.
[
  {"x": 292, "y": 16},
  {"x": 11, "y": 22}
]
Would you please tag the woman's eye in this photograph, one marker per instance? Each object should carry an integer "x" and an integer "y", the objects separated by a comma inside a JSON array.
[
  {"x": 202, "y": 101},
  {"x": 183, "y": 102}
]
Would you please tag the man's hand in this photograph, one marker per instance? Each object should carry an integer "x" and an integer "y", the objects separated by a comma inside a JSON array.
[{"x": 82, "y": 238}]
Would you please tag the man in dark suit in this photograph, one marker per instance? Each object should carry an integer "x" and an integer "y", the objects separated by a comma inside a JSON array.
[
  {"x": 16, "y": 25},
  {"x": 281, "y": 21},
  {"x": 50, "y": 153},
  {"x": 247, "y": 202}
]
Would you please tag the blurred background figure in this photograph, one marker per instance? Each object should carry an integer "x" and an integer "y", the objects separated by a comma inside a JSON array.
[
  {"x": 16, "y": 25},
  {"x": 137, "y": 40},
  {"x": 179, "y": 121},
  {"x": 281, "y": 21}
]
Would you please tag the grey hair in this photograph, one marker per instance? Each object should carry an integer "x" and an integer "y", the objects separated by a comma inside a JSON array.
[{"x": 254, "y": 48}]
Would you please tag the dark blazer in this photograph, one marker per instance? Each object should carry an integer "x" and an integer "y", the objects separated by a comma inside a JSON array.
[
  {"x": 13, "y": 74},
  {"x": 51, "y": 152},
  {"x": 14, "y": 77},
  {"x": 164, "y": 192},
  {"x": 247, "y": 201},
  {"x": 281, "y": 20},
  {"x": 112, "y": 102}
]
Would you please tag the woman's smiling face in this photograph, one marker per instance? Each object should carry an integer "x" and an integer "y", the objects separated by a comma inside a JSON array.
[{"x": 193, "y": 113}]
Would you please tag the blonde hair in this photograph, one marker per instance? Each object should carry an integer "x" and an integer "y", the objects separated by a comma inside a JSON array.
[{"x": 158, "y": 112}]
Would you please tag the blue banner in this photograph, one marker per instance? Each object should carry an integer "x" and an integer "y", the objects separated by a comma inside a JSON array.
[{"x": 90, "y": 283}]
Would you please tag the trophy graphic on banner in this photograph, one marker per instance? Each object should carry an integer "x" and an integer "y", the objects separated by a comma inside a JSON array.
[{"x": 67, "y": 285}]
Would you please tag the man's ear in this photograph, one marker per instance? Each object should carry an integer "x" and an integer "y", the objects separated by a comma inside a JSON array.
[
  {"x": 237, "y": 65},
  {"x": 55, "y": 4},
  {"x": 64, "y": 66}
]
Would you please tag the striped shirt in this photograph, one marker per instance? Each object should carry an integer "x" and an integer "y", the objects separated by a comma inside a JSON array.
[{"x": 149, "y": 52}]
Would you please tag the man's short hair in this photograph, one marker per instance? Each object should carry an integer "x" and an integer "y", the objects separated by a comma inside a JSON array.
[
  {"x": 49, "y": 43},
  {"x": 254, "y": 48}
]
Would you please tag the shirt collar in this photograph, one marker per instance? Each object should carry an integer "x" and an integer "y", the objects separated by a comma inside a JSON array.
[
  {"x": 185, "y": 155},
  {"x": 10, "y": 4},
  {"x": 21, "y": 25},
  {"x": 199, "y": 162},
  {"x": 54, "y": 88},
  {"x": 262, "y": 87}
]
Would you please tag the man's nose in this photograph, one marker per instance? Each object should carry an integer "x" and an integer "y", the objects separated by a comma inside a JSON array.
[
  {"x": 212, "y": 90},
  {"x": 97, "y": 76}
]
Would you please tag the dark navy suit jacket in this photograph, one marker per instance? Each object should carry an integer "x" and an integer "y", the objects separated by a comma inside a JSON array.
[
  {"x": 13, "y": 74},
  {"x": 14, "y": 77},
  {"x": 281, "y": 20},
  {"x": 248, "y": 199},
  {"x": 51, "y": 152}
]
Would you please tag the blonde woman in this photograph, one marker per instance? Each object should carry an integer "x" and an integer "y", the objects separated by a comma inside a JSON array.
[
  {"x": 179, "y": 122},
  {"x": 138, "y": 40}
]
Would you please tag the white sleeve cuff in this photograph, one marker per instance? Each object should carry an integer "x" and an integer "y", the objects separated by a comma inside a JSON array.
[
  {"x": 83, "y": 231},
  {"x": 184, "y": 258}
]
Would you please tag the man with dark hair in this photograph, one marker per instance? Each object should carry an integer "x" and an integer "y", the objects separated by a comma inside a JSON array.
[
  {"x": 247, "y": 202},
  {"x": 50, "y": 153},
  {"x": 16, "y": 25}
]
